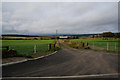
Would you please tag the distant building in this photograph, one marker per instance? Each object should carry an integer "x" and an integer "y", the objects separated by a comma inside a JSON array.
[{"x": 63, "y": 37}]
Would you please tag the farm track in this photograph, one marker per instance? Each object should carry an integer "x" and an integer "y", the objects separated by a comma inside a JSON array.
[{"x": 66, "y": 62}]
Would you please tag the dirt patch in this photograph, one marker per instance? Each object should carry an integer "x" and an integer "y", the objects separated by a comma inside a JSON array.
[
  {"x": 13, "y": 59},
  {"x": 41, "y": 54}
]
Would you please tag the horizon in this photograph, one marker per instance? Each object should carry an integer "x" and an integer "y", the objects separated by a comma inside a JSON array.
[{"x": 55, "y": 34}]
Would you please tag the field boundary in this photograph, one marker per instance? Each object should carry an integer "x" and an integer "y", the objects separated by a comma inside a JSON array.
[{"x": 29, "y": 59}]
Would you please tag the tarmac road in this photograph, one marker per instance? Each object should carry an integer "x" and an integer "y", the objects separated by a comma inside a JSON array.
[{"x": 66, "y": 62}]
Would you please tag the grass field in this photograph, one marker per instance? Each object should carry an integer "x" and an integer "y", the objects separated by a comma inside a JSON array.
[
  {"x": 100, "y": 44},
  {"x": 27, "y": 46}
]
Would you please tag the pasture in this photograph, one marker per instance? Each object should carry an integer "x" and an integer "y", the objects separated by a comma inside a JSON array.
[
  {"x": 98, "y": 43},
  {"x": 27, "y": 46}
]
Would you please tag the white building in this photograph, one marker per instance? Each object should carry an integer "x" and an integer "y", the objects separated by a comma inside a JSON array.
[{"x": 63, "y": 37}]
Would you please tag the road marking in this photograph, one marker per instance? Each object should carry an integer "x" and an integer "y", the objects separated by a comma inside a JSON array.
[
  {"x": 27, "y": 59},
  {"x": 81, "y": 76}
]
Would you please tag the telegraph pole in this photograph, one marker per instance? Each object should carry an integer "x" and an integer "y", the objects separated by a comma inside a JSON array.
[{"x": 56, "y": 33}]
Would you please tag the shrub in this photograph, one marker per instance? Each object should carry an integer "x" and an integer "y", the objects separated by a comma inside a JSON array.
[
  {"x": 8, "y": 53},
  {"x": 87, "y": 47}
]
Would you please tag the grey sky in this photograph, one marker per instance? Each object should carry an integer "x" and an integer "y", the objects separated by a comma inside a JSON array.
[{"x": 66, "y": 17}]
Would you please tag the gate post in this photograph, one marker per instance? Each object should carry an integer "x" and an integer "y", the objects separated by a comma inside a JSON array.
[
  {"x": 83, "y": 44},
  {"x": 7, "y": 47},
  {"x": 54, "y": 45},
  {"x": 87, "y": 43},
  {"x": 49, "y": 46}
]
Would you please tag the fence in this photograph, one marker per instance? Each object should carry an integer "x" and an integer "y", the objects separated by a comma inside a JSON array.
[
  {"x": 109, "y": 46},
  {"x": 30, "y": 49},
  {"x": 99, "y": 45}
]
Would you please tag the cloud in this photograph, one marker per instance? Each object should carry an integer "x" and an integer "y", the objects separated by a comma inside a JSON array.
[{"x": 67, "y": 17}]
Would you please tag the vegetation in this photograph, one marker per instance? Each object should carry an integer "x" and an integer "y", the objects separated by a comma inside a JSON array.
[
  {"x": 26, "y": 47},
  {"x": 98, "y": 43},
  {"x": 110, "y": 34},
  {"x": 77, "y": 45},
  {"x": 106, "y": 35},
  {"x": 8, "y": 53}
]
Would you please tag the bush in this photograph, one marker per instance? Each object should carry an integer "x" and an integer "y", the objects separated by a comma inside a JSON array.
[
  {"x": 87, "y": 47},
  {"x": 8, "y": 53}
]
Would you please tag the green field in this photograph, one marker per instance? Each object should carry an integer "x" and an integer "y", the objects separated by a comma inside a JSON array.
[
  {"x": 27, "y": 46},
  {"x": 100, "y": 44}
]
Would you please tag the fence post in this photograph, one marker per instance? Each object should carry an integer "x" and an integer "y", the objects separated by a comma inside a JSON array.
[
  {"x": 34, "y": 48},
  {"x": 93, "y": 45},
  {"x": 115, "y": 47},
  {"x": 107, "y": 46},
  {"x": 87, "y": 44},
  {"x": 7, "y": 47},
  {"x": 54, "y": 45},
  {"x": 83, "y": 44},
  {"x": 49, "y": 46}
]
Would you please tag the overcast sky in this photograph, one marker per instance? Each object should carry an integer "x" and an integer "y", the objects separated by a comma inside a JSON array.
[{"x": 66, "y": 17}]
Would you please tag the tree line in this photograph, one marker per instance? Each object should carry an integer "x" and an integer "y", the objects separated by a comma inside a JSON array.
[{"x": 110, "y": 34}]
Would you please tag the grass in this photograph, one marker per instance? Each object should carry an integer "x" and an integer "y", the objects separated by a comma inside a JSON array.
[
  {"x": 3, "y": 48},
  {"x": 26, "y": 47},
  {"x": 100, "y": 44}
]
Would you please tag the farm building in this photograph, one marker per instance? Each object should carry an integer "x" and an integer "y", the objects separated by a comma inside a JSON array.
[{"x": 63, "y": 37}]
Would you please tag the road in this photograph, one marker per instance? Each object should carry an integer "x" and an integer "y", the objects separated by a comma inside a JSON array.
[{"x": 66, "y": 62}]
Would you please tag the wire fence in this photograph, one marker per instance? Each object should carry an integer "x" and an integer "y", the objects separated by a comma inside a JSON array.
[
  {"x": 30, "y": 49},
  {"x": 109, "y": 46}
]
